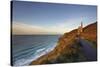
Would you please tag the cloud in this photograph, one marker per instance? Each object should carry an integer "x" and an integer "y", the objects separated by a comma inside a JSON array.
[
  {"x": 24, "y": 29},
  {"x": 19, "y": 28}
]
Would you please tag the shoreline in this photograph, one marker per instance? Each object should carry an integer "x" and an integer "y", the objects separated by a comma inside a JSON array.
[{"x": 67, "y": 48}]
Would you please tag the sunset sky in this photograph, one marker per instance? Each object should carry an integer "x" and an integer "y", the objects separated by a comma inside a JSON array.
[{"x": 46, "y": 18}]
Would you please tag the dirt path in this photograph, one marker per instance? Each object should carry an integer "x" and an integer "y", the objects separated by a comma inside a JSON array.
[{"x": 90, "y": 53}]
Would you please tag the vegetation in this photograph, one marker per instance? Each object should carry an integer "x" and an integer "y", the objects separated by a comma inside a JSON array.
[
  {"x": 68, "y": 48},
  {"x": 90, "y": 33}
]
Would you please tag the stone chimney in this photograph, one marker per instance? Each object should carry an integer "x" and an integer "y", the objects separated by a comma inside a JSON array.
[{"x": 81, "y": 28}]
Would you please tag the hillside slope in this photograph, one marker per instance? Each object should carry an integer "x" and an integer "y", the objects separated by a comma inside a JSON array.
[
  {"x": 68, "y": 49},
  {"x": 90, "y": 32}
]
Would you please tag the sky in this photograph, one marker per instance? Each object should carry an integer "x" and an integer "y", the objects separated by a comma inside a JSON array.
[{"x": 47, "y": 18}]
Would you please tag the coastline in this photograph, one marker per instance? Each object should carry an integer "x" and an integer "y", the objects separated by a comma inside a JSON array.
[
  {"x": 67, "y": 48},
  {"x": 31, "y": 49}
]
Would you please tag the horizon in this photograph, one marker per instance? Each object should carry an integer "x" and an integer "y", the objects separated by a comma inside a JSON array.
[{"x": 49, "y": 18}]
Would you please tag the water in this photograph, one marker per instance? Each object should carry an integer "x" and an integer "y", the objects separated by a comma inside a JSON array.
[{"x": 26, "y": 48}]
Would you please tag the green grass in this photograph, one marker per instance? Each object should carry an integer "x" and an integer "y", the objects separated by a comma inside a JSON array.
[
  {"x": 74, "y": 55},
  {"x": 93, "y": 43}
]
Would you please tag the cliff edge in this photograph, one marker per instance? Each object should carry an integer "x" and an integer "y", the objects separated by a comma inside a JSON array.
[{"x": 68, "y": 49}]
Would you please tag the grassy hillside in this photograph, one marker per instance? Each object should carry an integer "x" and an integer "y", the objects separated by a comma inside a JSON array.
[
  {"x": 68, "y": 49},
  {"x": 90, "y": 33}
]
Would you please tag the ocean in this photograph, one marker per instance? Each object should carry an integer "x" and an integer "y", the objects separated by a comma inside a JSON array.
[{"x": 27, "y": 48}]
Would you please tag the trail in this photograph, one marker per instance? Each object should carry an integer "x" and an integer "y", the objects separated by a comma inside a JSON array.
[{"x": 89, "y": 51}]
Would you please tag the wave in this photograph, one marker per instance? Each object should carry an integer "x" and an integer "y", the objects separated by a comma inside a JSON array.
[{"x": 38, "y": 53}]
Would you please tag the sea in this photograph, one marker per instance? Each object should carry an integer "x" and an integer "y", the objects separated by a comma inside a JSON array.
[{"x": 27, "y": 48}]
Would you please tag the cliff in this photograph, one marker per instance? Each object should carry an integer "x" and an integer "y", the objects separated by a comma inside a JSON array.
[{"x": 68, "y": 49}]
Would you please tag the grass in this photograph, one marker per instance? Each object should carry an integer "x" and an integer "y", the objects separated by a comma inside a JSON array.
[
  {"x": 68, "y": 49},
  {"x": 72, "y": 53}
]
